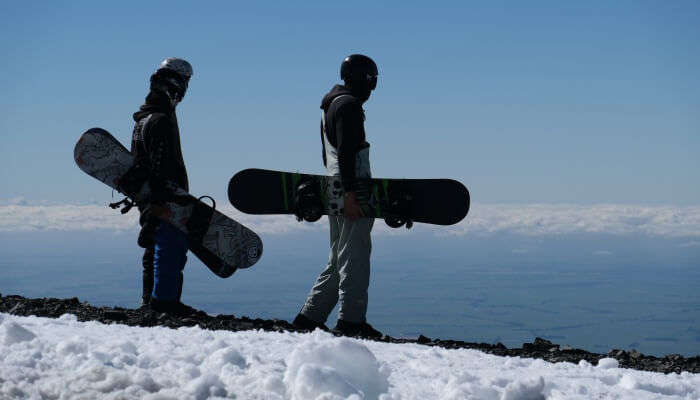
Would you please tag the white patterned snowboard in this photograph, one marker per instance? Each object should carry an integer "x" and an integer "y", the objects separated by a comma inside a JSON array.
[{"x": 221, "y": 243}]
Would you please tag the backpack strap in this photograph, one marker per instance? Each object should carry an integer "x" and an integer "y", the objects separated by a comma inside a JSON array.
[{"x": 323, "y": 127}]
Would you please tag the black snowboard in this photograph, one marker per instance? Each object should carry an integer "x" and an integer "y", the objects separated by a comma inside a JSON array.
[
  {"x": 398, "y": 201},
  {"x": 221, "y": 243}
]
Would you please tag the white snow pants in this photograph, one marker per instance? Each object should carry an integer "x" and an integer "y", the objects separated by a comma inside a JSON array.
[{"x": 346, "y": 278}]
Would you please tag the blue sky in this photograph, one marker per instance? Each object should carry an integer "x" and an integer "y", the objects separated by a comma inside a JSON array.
[{"x": 555, "y": 102}]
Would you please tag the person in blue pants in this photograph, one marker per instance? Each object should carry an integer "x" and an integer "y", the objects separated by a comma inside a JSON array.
[
  {"x": 169, "y": 259},
  {"x": 156, "y": 145}
]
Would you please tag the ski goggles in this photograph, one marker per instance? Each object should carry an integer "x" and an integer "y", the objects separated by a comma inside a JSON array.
[{"x": 372, "y": 80}]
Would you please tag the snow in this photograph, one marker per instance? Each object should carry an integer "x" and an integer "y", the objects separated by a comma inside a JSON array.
[{"x": 66, "y": 359}]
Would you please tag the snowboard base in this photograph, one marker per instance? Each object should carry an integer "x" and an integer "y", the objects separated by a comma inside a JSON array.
[{"x": 400, "y": 202}]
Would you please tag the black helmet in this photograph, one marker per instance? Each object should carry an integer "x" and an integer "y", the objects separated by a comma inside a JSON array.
[
  {"x": 177, "y": 65},
  {"x": 173, "y": 75},
  {"x": 358, "y": 68}
]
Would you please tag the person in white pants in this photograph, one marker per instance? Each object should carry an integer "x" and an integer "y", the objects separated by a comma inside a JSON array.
[{"x": 345, "y": 279}]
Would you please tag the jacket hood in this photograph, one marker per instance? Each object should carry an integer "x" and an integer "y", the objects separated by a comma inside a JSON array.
[
  {"x": 156, "y": 101},
  {"x": 337, "y": 90}
]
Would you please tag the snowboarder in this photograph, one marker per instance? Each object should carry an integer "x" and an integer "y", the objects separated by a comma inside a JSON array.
[
  {"x": 156, "y": 144},
  {"x": 346, "y": 154}
]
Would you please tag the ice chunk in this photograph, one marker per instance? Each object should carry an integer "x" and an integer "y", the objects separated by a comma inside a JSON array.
[
  {"x": 68, "y": 318},
  {"x": 608, "y": 363},
  {"x": 72, "y": 346},
  {"x": 525, "y": 390},
  {"x": 206, "y": 386},
  {"x": 342, "y": 365},
  {"x": 13, "y": 332},
  {"x": 314, "y": 381},
  {"x": 222, "y": 357}
]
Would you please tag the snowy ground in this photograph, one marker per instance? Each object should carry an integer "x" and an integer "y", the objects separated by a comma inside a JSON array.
[{"x": 64, "y": 358}]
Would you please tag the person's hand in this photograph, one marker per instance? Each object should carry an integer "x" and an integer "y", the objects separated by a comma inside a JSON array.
[{"x": 352, "y": 209}]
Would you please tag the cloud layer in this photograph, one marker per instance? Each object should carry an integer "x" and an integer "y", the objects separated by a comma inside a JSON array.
[
  {"x": 545, "y": 219},
  {"x": 483, "y": 219}
]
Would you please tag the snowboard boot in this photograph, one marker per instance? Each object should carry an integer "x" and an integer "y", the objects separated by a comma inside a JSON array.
[
  {"x": 362, "y": 329},
  {"x": 175, "y": 308},
  {"x": 305, "y": 323}
]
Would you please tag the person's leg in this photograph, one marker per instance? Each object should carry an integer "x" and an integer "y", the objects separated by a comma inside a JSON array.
[
  {"x": 147, "y": 275},
  {"x": 181, "y": 275},
  {"x": 354, "y": 248},
  {"x": 324, "y": 294},
  {"x": 168, "y": 263}
]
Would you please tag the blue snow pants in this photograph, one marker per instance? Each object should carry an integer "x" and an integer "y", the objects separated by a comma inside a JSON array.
[{"x": 168, "y": 262}]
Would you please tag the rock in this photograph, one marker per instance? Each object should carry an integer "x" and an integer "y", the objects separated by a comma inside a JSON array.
[
  {"x": 115, "y": 315},
  {"x": 539, "y": 344},
  {"x": 14, "y": 309},
  {"x": 423, "y": 340}
]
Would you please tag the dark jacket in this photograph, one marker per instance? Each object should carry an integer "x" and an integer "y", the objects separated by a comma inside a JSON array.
[
  {"x": 345, "y": 130},
  {"x": 156, "y": 144}
]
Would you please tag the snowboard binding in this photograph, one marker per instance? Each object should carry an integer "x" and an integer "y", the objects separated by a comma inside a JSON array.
[
  {"x": 198, "y": 223},
  {"x": 124, "y": 205},
  {"x": 397, "y": 210},
  {"x": 397, "y": 222},
  {"x": 307, "y": 201}
]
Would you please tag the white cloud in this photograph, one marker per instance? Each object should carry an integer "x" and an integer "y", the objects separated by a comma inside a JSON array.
[
  {"x": 21, "y": 201},
  {"x": 64, "y": 218},
  {"x": 693, "y": 243},
  {"x": 21, "y": 218},
  {"x": 558, "y": 219},
  {"x": 483, "y": 219}
]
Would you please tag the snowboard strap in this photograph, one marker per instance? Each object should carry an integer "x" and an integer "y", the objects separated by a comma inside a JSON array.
[
  {"x": 125, "y": 202},
  {"x": 198, "y": 222}
]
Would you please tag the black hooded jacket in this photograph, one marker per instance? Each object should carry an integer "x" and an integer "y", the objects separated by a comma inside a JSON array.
[
  {"x": 156, "y": 144},
  {"x": 345, "y": 130}
]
